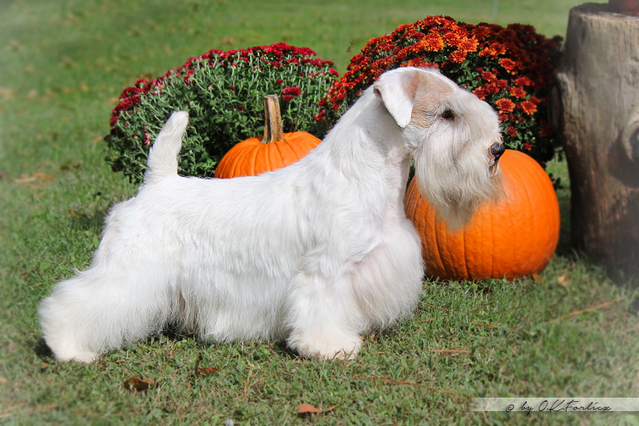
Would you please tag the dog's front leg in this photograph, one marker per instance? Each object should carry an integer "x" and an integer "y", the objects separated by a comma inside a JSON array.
[{"x": 322, "y": 318}]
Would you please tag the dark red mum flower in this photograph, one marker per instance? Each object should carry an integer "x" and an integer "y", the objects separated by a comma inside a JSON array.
[{"x": 292, "y": 91}]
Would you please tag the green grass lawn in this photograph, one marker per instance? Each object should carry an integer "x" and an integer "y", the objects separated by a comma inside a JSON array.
[{"x": 570, "y": 332}]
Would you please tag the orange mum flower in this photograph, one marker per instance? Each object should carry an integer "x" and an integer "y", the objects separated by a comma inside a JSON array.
[
  {"x": 509, "y": 65},
  {"x": 489, "y": 51},
  {"x": 469, "y": 45},
  {"x": 458, "y": 57},
  {"x": 529, "y": 107},
  {"x": 489, "y": 76},
  {"x": 518, "y": 92},
  {"x": 432, "y": 43},
  {"x": 452, "y": 38},
  {"x": 505, "y": 106}
]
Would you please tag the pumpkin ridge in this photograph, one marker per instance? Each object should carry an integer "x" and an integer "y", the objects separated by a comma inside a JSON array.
[
  {"x": 298, "y": 149},
  {"x": 253, "y": 159},
  {"x": 492, "y": 246},
  {"x": 534, "y": 228},
  {"x": 263, "y": 160},
  {"x": 531, "y": 217},
  {"x": 435, "y": 233},
  {"x": 284, "y": 153},
  {"x": 512, "y": 262},
  {"x": 237, "y": 156},
  {"x": 465, "y": 252},
  {"x": 243, "y": 151},
  {"x": 440, "y": 244}
]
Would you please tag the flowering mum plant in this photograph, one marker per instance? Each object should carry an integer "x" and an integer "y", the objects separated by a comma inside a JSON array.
[
  {"x": 511, "y": 68},
  {"x": 223, "y": 92}
]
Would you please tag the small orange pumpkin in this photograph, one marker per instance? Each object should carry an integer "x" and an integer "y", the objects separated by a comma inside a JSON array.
[
  {"x": 270, "y": 152},
  {"x": 513, "y": 237}
]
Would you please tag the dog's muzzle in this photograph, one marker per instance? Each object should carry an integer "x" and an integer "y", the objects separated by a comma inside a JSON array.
[{"x": 496, "y": 151}]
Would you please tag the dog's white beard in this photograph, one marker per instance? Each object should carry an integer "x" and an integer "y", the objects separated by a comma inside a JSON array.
[{"x": 455, "y": 180}]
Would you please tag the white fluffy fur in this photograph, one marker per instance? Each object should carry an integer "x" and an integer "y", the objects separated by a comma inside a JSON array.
[{"x": 314, "y": 254}]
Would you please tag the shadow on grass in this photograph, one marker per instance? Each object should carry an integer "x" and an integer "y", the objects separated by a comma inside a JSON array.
[
  {"x": 88, "y": 222},
  {"x": 42, "y": 350}
]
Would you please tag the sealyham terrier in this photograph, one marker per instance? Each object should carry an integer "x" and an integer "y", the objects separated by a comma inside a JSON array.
[{"x": 314, "y": 254}]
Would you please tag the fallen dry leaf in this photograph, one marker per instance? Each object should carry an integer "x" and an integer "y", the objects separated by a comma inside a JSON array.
[
  {"x": 208, "y": 370},
  {"x": 72, "y": 167},
  {"x": 3, "y": 381},
  {"x": 305, "y": 409},
  {"x": 585, "y": 311},
  {"x": 139, "y": 384},
  {"x": 6, "y": 94},
  {"x": 228, "y": 40},
  {"x": 36, "y": 177},
  {"x": 564, "y": 281}
]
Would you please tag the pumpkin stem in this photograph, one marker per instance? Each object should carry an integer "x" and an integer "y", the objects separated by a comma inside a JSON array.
[{"x": 273, "y": 131}]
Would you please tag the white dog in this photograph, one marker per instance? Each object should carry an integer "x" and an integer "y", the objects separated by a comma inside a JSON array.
[{"x": 314, "y": 254}]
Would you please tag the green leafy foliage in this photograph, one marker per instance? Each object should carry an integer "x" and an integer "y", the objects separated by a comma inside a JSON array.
[{"x": 223, "y": 92}]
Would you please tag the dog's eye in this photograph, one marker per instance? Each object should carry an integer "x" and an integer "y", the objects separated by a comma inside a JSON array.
[{"x": 448, "y": 114}]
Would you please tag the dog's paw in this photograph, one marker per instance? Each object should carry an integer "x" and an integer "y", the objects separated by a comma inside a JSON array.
[
  {"x": 66, "y": 352},
  {"x": 327, "y": 348}
]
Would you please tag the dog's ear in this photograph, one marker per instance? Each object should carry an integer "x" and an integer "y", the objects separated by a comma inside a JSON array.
[{"x": 397, "y": 90}]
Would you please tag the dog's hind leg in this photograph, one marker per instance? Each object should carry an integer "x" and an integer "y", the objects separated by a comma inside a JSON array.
[{"x": 96, "y": 312}]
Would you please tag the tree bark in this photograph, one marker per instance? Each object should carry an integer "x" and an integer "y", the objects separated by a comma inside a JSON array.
[{"x": 599, "y": 121}]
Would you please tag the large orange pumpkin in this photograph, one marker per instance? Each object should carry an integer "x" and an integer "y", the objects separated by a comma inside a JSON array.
[
  {"x": 270, "y": 152},
  {"x": 513, "y": 237}
]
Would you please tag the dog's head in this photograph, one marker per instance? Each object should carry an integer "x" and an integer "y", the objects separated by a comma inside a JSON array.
[{"x": 454, "y": 138}]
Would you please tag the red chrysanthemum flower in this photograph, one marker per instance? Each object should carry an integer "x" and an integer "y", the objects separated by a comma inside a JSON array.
[
  {"x": 432, "y": 43},
  {"x": 523, "y": 82},
  {"x": 292, "y": 91},
  {"x": 505, "y": 106},
  {"x": 509, "y": 65},
  {"x": 468, "y": 45},
  {"x": 480, "y": 93},
  {"x": 518, "y": 92},
  {"x": 529, "y": 107},
  {"x": 452, "y": 38},
  {"x": 489, "y": 76},
  {"x": 458, "y": 57}
]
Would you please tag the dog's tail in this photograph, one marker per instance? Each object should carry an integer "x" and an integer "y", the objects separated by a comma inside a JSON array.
[{"x": 163, "y": 156}]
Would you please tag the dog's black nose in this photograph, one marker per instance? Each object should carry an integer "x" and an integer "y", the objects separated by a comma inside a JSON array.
[{"x": 497, "y": 150}]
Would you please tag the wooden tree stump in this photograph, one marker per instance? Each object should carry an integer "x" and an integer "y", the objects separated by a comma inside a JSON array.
[{"x": 599, "y": 119}]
